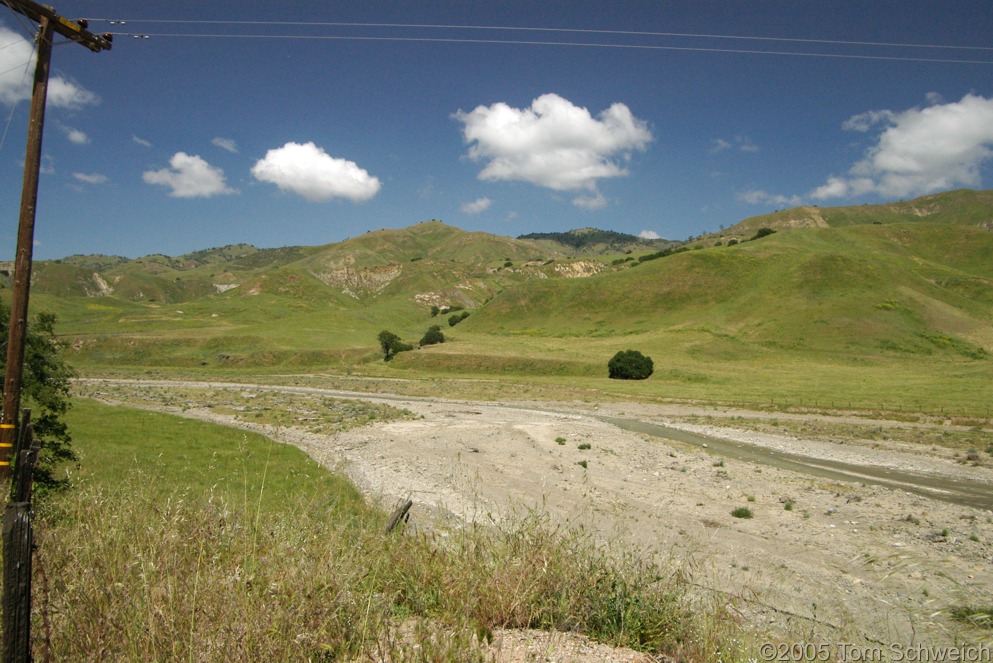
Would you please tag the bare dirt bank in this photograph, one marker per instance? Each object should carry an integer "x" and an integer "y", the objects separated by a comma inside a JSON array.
[{"x": 822, "y": 560}]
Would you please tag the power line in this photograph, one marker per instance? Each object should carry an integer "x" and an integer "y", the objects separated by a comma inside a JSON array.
[
  {"x": 508, "y": 28},
  {"x": 24, "y": 78},
  {"x": 517, "y": 42}
]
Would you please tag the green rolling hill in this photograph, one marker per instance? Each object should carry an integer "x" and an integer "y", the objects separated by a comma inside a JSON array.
[{"x": 893, "y": 302}]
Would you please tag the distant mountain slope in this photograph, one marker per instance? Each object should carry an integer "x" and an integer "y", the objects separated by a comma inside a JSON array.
[
  {"x": 961, "y": 207},
  {"x": 903, "y": 280},
  {"x": 594, "y": 240},
  {"x": 430, "y": 262}
]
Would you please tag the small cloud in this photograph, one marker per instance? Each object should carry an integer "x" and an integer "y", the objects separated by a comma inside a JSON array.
[
  {"x": 429, "y": 189},
  {"x": 745, "y": 144},
  {"x": 718, "y": 145},
  {"x": 91, "y": 178},
  {"x": 865, "y": 121},
  {"x": 64, "y": 93},
  {"x": 75, "y": 136},
  {"x": 189, "y": 176},
  {"x": 759, "y": 197},
  {"x": 590, "y": 202},
  {"x": 740, "y": 143},
  {"x": 309, "y": 171},
  {"x": 477, "y": 206},
  {"x": 649, "y": 234},
  {"x": 226, "y": 144},
  {"x": 140, "y": 141}
]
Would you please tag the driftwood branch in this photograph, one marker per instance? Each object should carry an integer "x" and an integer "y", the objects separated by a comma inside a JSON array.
[{"x": 401, "y": 513}]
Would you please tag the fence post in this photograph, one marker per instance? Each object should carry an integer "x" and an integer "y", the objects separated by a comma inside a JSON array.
[
  {"x": 18, "y": 547},
  {"x": 18, "y": 540}
]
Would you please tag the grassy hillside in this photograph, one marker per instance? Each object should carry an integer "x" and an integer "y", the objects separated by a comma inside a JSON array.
[
  {"x": 863, "y": 289},
  {"x": 961, "y": 207},
  {"x": 897, "y": 316},
  {"x": 865, "y": 304}
]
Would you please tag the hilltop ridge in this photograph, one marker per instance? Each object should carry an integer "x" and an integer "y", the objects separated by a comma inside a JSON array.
[{"x": 960, "y": 207}]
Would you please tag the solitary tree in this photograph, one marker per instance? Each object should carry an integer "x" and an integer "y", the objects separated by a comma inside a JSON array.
[
  {"x": 392, "y": 345},
  {"x": 630, "y": 365},
  {"x": 44, "y": 389}
]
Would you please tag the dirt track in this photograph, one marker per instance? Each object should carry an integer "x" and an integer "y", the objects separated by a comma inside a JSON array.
[{"x": 846, "y": 563}]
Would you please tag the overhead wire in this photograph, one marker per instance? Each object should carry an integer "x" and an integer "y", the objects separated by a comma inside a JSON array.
[
  {"x": 29, "y": 28},
  {"x": 652, "y": 47},
  {"x": 511, "y": 28},
  {"x": 24, "y": 76}
]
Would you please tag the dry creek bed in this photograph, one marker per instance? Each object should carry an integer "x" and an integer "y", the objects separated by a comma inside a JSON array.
[{"x": 845, "y": 562}]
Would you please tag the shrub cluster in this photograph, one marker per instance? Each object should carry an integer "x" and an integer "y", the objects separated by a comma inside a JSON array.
[
  {"x": 432, "y": 336},
  {"x": 456, "y": 318},
  {"x": 630, "y": 365}
]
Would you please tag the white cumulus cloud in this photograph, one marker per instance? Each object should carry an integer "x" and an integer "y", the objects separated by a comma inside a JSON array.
[
  {"x": 309, "y": 171},
  {"x": 189, "y": 176},
  {"x": 17, "y": 72},
  {"x": 649, "y": 234},
  {"x": 477, "y": 206},
  {"x": 553, "y": 144},
  {"x": 918, "y": 151}
]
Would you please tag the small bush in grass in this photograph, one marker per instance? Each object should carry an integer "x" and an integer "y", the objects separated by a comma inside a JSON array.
[
  {"x": 583, "y": 464},
  {"x": 560, "y": 440},
  {"x": 978, "y": 615},
  {"x": 742, "y": 512},
  {"x": 630, "y": 365},
  {"x": 584, "y": 446},
  {"x": 432, "y": 336},
  {"x": 456, "y": 318}
]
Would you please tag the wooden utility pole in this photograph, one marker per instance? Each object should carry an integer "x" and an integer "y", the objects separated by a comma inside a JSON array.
[{"x": 49, "y": 23}]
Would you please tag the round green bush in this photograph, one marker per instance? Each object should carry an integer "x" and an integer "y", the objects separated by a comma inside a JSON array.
[
  {"x": 630, "y": 365},
  {"x": 432, "y": 336}
]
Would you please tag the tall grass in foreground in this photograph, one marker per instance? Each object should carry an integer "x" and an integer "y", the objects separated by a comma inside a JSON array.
[{"x": 199, "y": 574}]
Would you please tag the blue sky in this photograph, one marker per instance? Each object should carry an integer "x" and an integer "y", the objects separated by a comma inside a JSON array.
[{"x": 262, "y": 123}]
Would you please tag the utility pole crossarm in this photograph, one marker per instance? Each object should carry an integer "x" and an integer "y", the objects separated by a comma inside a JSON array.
[{"x": 73, "y": 30}]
